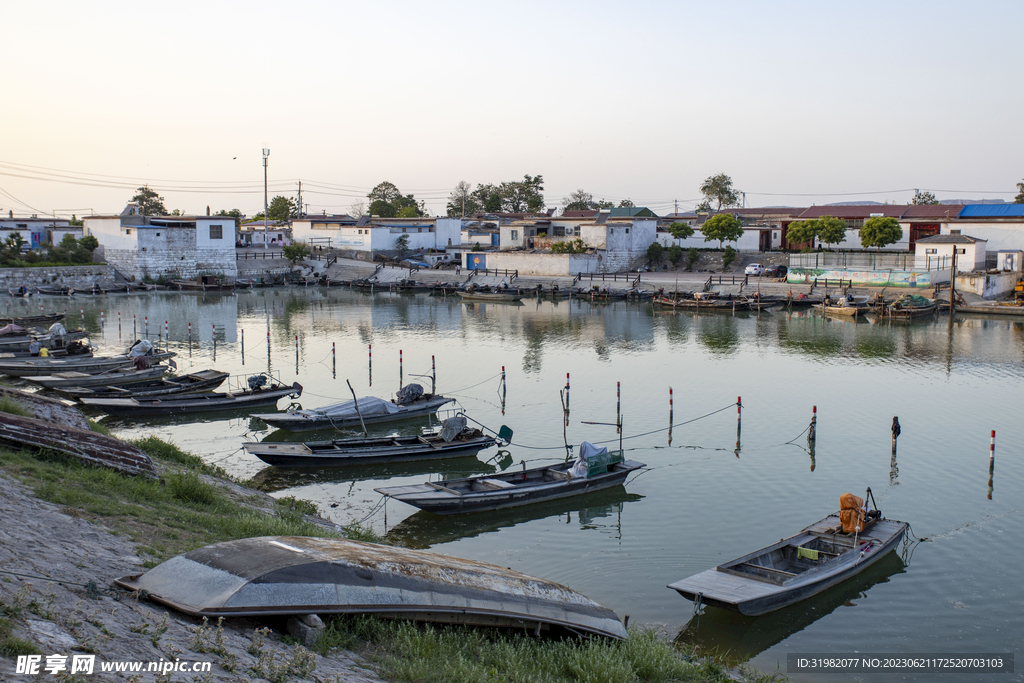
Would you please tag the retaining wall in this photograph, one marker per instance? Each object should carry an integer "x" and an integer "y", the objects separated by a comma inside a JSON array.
[{"x": 79, "y": 277}]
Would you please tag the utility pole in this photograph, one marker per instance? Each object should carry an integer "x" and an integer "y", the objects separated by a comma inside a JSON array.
[
  {"x": 675, "y": 204},
  {"x": 299, "y": 207},
  {"x": 266, "y": 155}
]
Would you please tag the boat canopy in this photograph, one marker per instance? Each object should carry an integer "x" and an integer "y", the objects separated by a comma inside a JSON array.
[
  {"x": 409, "y": 393},
  {"x": 588, "y": 453},
  {"x": 368, "y": 407},
  {"x": 452, "y": 427}
]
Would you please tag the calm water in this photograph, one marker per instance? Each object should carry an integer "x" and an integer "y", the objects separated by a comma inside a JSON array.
[{"x": 712, "y": 493}]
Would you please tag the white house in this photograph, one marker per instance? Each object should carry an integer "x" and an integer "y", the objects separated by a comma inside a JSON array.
[
  {"x": 377, "y": 234},
  {"x": 936, "y": 252},
  {"x": 166, "y": 246}
]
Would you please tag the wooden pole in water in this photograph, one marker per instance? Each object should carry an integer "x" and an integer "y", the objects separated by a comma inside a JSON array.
[
  {"x": 992, "y": 446},
  {"x": 355, "y": 401},
  {"x": 243, "y": 346},
  {"x": 371, "y": 364},
  {"x": 296, "y": 351},
  {"x": 214, "y": 328},
  {"x": 147, "y": 325},
  {"x": 991, "y": 463},
  {"x": 334, "y": 361},
  {"x": 739, "y": 408},
  {"x": 433, "y": 376},
  {"x": 166, "y": 332},
  {"x": 400, "y": 371},
  {"x": 895, "y": 431},
  {"x": 119, "y": 324},
  {"x": 567, "y": 395},
  {"x": 813, "y": 429},
  {"x": 135, "y": 327},
  {"x": 618, "y": 399}
]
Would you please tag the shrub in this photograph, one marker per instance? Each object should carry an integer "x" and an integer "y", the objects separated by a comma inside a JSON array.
[{"x": 728, "y": 256}]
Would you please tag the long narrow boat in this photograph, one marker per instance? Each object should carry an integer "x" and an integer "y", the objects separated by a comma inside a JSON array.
[
  {"x": 734, "y": 304},
  {"x": 344, "y": 415},
  {"x": 118, "y": 377},
  {"x": 795, "y": 568},
  {"x": 376, "y": 451},
  {"x": 194, "y": 403},
  {"x": 595, "y": 469},
  {"x": 290, "y": 575},
  {"x": 195, "y": 382},
  {"x": 12, "y": 343},
  {"x": 32, "y": 367},
  {"x": 510, "y": 295}
]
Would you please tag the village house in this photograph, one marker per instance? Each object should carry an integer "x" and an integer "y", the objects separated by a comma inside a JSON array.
[
  {"x": 258, "y": 234},
  {"x": 37, "y": 232},
  {"x": 368, "y": 235},
  {"x": 165, "y": 246}
]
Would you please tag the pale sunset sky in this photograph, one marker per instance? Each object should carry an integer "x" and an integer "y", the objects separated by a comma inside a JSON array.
[{"x": 799, "y": 102}]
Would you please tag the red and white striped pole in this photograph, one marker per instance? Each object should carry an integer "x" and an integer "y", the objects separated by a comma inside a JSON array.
[
  {"x": 671, "y": 406},
  {"x": 992, "y": 446},
  {"x": 147, "y": 326},
  {"x": 739, "y": 408},
  {"x": 166, "y": 335},
  {"x": 812, "y": 433},
  {"x": 400, "y": 370},
  {"x": 618, "y": 400},
  {"x": 567, "y": 390}
]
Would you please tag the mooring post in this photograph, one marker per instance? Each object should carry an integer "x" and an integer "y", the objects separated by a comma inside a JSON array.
[
  {"x": 813, "y": 429},
  {"x": 147, "y": 326},
  {"x": 991, "y": 463},
  {"x": 119, "y": 324},
  {"x": 618, "y": 399},
  {"x": 243, "y": 346},
  {"x": 296, "y": 351},
  {"x": 567, "y": 391},
  {"x": 334, "y": 361},
  {"x": 166, "y": 332},
  {"x": 895, "y": 431},
  {"x": 371, "y": 364},
  {"x": 214, "y": 327},
  {"x": 739, "y": 408},
  {"x": 135, "y": 326},
  {"x": 400, "y": 370},
  {"x": 992, "y": 446}
]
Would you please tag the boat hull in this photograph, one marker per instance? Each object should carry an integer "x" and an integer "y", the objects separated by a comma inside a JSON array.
[
  {"x": 726, "y": 589},
  {"x": 441, "y": 502},
  {"x": 192, "y": 403},
  {"x": 302, "y": 423},
  {"x": 355, "y": 451}
]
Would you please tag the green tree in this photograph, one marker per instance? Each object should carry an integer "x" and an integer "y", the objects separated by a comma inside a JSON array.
[
  {"x": 831, "y": 230},
  {"x": 149, "y": 202},
  {"x": 89, "y": 242},
  {"x": 580, "y": 200},
  {"x": 463, "y": 202},
  {"x": 680, "y": 231},
  {"x": 626, "y": 204},
  {"x": 728, "y": 256},
  {"x": 1019, "y": 199},
  {"x": 654, "y": 253},
  {"x": 489, "y": 197},
  {"x": 233, "y": 213},
  {"x": 880, "y": 231},
  {"x": 703, "y": 206},
  {"x": 719, "y": 189},
  {"x": 576, "y": 246},
  {"x": 923, "y": 198},
  {"x": 383, "y": 209},
  {"x": 723, "y": 227},
  {"x": 675, "y": 255},
  {"x": 282, "y": 208},
  {"x": 802, "y": 231},
  {"x": 409, "y": 212},
  {"x": 402, "y": 245},
  {"x": 692, "y": 256},
  {"x": 75, "y": 220},
  {"x": 295, "y": 252},
  {"x": 603, "y": 204},
  {"x": 523, "y": 195}
]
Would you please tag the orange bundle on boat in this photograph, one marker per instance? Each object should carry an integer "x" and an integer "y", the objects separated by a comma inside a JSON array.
[{"x": 851, "y": 513}]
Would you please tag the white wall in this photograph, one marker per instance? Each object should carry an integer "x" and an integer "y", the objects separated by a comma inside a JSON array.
[
  {"x": 973, "y": 259},
  {"x": 111, "y": 234},
  {"x": 1000, "y": 236}
]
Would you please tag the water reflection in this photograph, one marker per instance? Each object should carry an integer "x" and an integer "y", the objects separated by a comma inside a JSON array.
[
  {"x": 599, "y": 510},
  {"x": 272, "y": 478},
  {"x": 738, "y": 638}
]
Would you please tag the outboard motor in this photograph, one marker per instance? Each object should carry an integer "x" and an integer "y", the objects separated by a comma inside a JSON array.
[{"x": 257, "y": 382}]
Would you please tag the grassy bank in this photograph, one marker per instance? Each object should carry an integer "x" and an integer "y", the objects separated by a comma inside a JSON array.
[{"x": 195, "y": 504}]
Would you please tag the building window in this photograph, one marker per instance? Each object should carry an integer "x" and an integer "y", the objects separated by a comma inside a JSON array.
[
  {"x": 576, "y": 231},
  {"x": 127, "y": 231},
  {"x": 158, "y": 234},
  {"x": 854, "y": 223},
  {"x": 961, "y": 251},
  {"x": 931, "y": 251},
  {"x": 627, "y": 231},
  {"x": 419, "y": 229},
  {"x": 515, "y": 235},
  {"x": 559, "y": 231},
  {"x": 216, "y": 232}
]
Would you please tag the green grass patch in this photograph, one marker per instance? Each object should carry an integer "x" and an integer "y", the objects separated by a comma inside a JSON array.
[
  {"x": 99, "y": 428},
  {"x": 9, "y": 404},
  {"x": 181, "y": 512},
  {"x": 10, "y": 645},
  {"x": 403, "y": 651}
]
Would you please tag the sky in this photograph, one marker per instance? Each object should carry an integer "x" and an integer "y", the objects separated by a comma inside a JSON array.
[{"x": 800, "y": 103}]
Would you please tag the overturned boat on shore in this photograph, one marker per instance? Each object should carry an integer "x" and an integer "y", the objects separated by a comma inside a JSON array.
[{"x": 294, "y": 575}]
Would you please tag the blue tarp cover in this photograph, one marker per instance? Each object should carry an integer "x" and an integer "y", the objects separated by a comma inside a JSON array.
[{"x": 992, "y": 210}]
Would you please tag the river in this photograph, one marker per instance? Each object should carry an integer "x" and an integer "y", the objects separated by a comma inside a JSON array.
[{"x": 712, "y": 492}]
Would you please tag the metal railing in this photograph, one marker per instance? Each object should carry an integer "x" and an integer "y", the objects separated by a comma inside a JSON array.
[
  {"x": 853, "y": 260},
  {"x": 246, "y": 255},
  {"x": 826, "y": 283},
  {"x": 725, "y": 280},
  {"x": 614, "y": 277},
  {"x": 498, "y": 272}
]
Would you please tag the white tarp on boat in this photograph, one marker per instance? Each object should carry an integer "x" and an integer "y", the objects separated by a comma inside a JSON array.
[
  {"x": 368, "y": 407},
  {"x": 588, "y": 450}
]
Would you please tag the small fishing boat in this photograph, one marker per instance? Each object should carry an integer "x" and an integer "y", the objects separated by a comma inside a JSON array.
[
  {"x": 89, "y": 365},
  {"x": 202, "y": 283},
  {"x": 478, "y": 294},
  {"x": 52, "y": 340},
  {"x": 848, "y": 306},
  {"x": 118, "y": 377},
  {"x": 906, "y": 307},
  {"x": 410, "y": 402},
  {"x": 55, "y": 291},
  {"x": 259, "y": 394},
  {"x": 293, "y": 575},
  {"x": 820, "y": 556},
  {"x": 192, "y": 383},
  {"x": 703, "y": 303},
  {"x": 453, "y": 440},
  {"x": 594, "y": 469}
]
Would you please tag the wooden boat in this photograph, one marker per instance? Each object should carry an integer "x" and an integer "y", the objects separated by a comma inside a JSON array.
[
  {"x": 55, "y": 291},
  {"x": 294, "y": 575},
  {"x": 344, "y": 415},
  {"x": 464, "y": 441},
  {"x": 118, "y": 377},
  {"x": 195, "y": 382},
  {"x": 907, "y": 307},
  {"x": 795, "y": 568},
  {"x": 849, "y": 307},
  {"x": 35, "y": 366},
  {"x": 22, "y": 342},
  {"x": 703, "y": 304},
  {"x": 203, "y": 283},
  {"x": 492, "y": 295},
  {"x": 595, "y": 469},
  {"x": 195, "y": 403}
]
